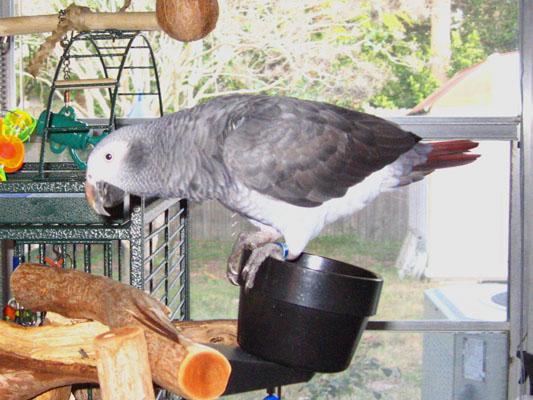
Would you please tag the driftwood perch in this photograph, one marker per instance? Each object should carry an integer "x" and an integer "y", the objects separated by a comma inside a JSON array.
[
  {"x": 178, "y": 364},
  {"x": 35, "y": 360}
]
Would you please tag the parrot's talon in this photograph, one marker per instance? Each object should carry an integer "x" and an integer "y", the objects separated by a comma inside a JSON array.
[
  {"x": 254, "y": 242},
  {"x": 254, "y": 262},
  {"x": 232, "y": 277}
]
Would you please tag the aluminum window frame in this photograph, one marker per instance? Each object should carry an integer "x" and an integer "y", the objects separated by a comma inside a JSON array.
[{"x": 518, "y": 131}]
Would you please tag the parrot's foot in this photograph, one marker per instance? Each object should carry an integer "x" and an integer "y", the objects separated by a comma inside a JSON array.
[
  {"x": 251, "y": 241},
  {"x": 255, "y": 260}
]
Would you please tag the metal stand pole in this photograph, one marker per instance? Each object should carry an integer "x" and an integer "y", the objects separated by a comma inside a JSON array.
[{"x": 7, "y": 101}]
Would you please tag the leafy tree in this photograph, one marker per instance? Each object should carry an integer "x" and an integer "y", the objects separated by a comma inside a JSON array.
[
  {"x": 494, "y": 21},
  {"x": 351, "y": 53},
  {"x": 466, "y": 51},
  {"x": 481, "y": 27},
  {"x": 408, "y": 40}
]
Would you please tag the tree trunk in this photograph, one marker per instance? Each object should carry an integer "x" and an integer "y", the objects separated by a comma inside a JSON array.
[{"x": 441, "y": 46}]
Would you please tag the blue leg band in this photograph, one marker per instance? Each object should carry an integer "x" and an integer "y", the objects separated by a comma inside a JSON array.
[{"x": 284, "y": 249}]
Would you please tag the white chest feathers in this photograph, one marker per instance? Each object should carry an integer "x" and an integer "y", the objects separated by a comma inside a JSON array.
[{"x": 299, "y": 225}]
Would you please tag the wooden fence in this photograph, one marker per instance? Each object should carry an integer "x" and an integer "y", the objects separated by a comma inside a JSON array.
[{"x": 384, "y": 219}]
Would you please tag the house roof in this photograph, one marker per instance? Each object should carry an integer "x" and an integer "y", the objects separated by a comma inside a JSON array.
[{"x": 489, "y": 87}]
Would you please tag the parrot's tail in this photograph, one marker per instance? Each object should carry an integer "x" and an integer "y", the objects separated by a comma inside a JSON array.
[{"x": 447, "y": 154}]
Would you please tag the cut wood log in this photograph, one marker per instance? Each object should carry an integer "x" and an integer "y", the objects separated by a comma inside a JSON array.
[
  {"x": 123, "y": 366},
  {"x": 35, "y": 360},
  {"x": 213, "y": 331},
  {"x": 38, "y": 359},
  {"x": 178, "y": 364},
  {"x": 62, "y": 393},
  {"x": 21, "y": 384},
  {"x": 216, "y": 331}
]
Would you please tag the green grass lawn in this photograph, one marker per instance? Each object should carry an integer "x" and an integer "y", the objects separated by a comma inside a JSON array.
[{"x": 386, "y": 365}]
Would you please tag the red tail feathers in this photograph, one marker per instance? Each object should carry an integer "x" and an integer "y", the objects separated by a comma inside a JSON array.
[{"x": 448, "y": 154}]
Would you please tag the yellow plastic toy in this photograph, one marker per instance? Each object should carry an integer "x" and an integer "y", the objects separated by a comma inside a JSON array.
[
  {"x": 19, "y": 123},
  {"x": 15, "y": 128}
]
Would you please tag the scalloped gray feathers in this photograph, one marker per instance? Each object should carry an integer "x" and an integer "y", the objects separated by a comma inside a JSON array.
[{"x": 304, "y": 152}]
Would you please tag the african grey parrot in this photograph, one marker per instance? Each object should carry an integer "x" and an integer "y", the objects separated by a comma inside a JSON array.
[{"x": 290, "y": 166}]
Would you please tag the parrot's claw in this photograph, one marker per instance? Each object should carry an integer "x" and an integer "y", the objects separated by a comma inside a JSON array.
[
  {"x": 232, "y": 276},
  {"x": 253, "y": 241},
  {"x": 255, "y": 260},
  {"x": 234, "y": 260}
]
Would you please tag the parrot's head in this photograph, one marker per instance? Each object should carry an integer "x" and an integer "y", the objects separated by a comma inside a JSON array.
[{"x": 112, "y": 169}]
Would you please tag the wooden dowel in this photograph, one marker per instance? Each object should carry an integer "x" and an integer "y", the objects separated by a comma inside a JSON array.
[
  {"x": 123, "y": 366},
  {"x": 84, "y": 83},
  {"x": 143, "y": 21}
]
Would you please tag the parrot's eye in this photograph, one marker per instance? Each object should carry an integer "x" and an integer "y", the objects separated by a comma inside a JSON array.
[{"x": 109, "y": 156}]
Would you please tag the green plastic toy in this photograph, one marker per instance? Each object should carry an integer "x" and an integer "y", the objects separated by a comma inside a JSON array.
[{"x": 67, "y": 132}]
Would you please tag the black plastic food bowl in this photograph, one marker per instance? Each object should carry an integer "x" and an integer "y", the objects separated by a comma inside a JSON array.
[{"x": 309, "y": 313}]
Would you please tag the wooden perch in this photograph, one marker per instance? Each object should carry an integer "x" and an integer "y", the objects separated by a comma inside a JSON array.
[
  {"x": 61, "y": 393},
  {"x": 35, "y": 360},
  {"x": 123, "y": 366},
  {"x": 178, "y": 364},
  {"x": 144, "y": 21}
]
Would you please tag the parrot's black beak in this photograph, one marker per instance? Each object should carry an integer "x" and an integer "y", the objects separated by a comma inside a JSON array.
[{"x": 102, "y": 195}]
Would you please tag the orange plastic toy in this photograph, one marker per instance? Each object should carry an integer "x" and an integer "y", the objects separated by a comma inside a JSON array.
[
  {"x": 15, "y": 128},
  {"x": 11, "y": 153}
]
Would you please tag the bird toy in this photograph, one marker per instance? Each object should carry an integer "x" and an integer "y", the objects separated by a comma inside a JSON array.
[
  {"x": 14, "y": 312},
  {"x": 15, "y": 129},
  {"x": 67, "y": 132}
]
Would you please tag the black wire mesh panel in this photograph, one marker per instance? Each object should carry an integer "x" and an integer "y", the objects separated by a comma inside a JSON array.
[{"x": 162, "y": 272}]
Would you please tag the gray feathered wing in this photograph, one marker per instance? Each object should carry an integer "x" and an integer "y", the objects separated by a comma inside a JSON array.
[{"x": 306, "y": 153}]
